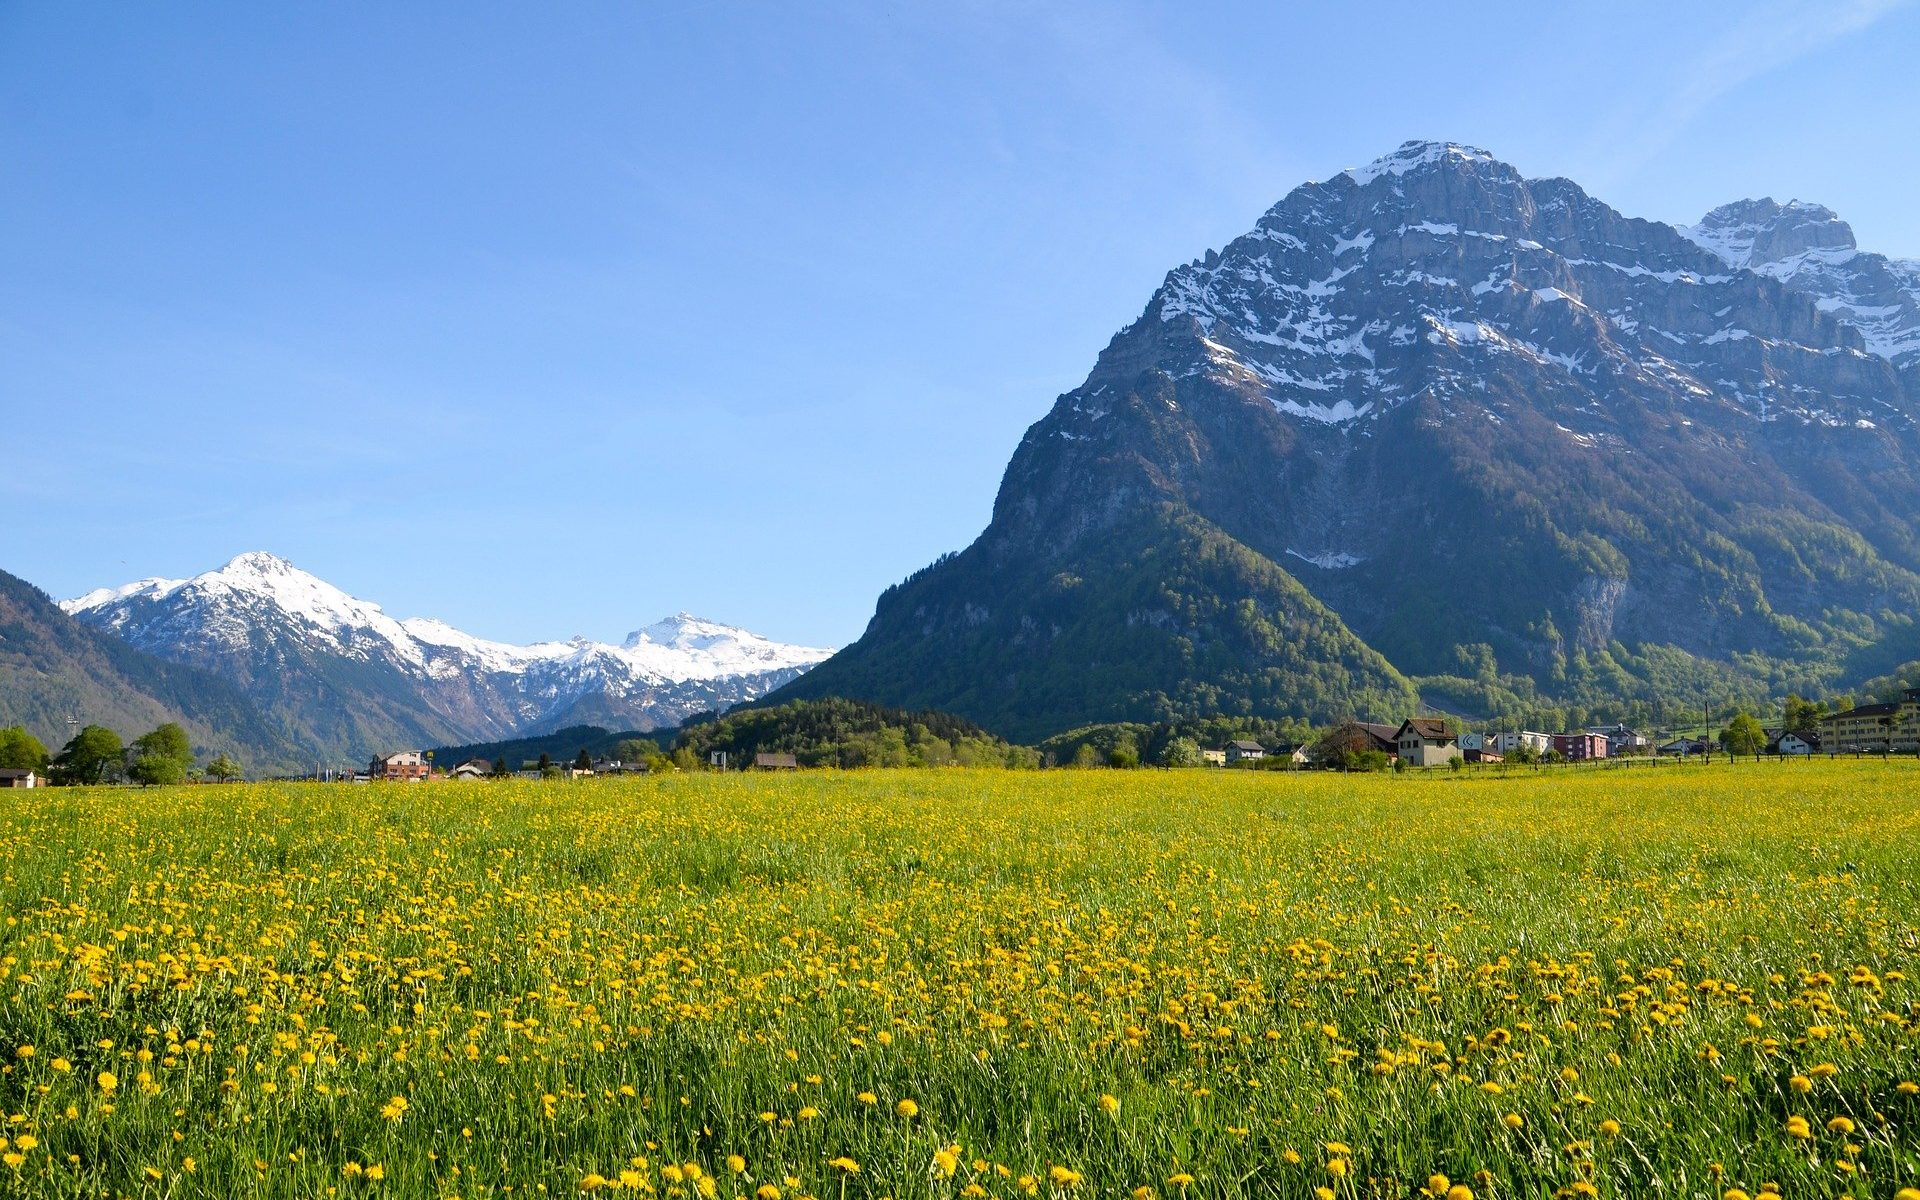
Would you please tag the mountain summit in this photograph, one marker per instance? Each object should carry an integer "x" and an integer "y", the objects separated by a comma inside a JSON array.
[
  {"x": 1811, "y": 250},
  {"x": 1431, "y": 424},
  {"x": 353, "y": 679}
]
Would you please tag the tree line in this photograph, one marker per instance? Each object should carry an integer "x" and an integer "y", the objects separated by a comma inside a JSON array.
[{"x": 96, "y": 755}]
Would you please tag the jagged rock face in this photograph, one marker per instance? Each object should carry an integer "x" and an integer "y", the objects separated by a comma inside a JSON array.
[
  {"x": 1469, "y": 410},
  {"x": 354, "y": 680},
  {"x": 1810, "y": 249}
]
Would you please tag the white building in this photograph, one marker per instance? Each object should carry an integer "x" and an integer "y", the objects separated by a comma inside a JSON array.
[{"x": 1507, "y": 743}]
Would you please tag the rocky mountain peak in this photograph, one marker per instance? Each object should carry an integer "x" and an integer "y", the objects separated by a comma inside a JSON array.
[
  {"x": 1432, "y": 415},
  {"x": 1757, "y": 233},
  {"x": 1414, "y": 156},
  {"x": 1811, "y": 250}
]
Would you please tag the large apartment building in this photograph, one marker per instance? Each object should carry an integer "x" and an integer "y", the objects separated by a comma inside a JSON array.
[{"x": 1889, "y": 728}]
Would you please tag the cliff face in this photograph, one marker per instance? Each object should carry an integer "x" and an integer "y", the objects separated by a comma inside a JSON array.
[{"x": 1444, "y": 421}]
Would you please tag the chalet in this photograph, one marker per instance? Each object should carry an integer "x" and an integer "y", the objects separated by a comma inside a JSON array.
[
  {"x": 1792, "y": 742},
  {"x": 1889, "y": 728},
  {"x": 1213, "y": 758},
  {"x": 473, "y": 768},
  {"x": 16, "y": 777},
  {"x": 1425, "y": 742},
  {"x": 1508, "y": 743},
  {"x": 1241, "y": 750},
  {"x": 764, "y": 761},
  {"x": 1579, "y": 747},
  {"x": 409, "y": 766},
  {"x": 1355, "y": 737}
]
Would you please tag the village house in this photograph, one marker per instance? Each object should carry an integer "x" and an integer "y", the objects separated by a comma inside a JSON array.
[
  {"x": 1425, "y": 742},
  {"x": 1681, "y": 747},
  {"x": 17, "y": 777},
  {"x": 1480, "y": 754},
  {"x": 1241, "y": 750},
  {"x": 473, "y": 768},
  {"x": 1792, "y": 743},
  {"x": 1579, "y": 747},
  {"x": 1292, "y": 753},
  {"x": 1213, "y": 758},
  {"x": 1889, "y": 728},
  {"x": 409, "y": 766},
  {"x": 1507, "y": 743},
  {"x": 614, "y": 766},
  {"x": 764, "y": 761},
  {"x": 1621, "y": 740}
]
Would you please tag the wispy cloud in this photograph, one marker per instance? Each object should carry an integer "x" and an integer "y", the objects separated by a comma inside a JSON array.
[{"x": 1768, "y": 38}]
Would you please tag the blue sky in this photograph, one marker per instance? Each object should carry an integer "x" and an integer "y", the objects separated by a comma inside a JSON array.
[{"x": 553, "y": 319}]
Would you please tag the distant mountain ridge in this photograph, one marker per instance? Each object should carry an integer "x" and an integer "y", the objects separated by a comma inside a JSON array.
[
  {"x": 352, "y": 679},
  {"x": 57, "y": 674},
  {"x": 1431, "y": 424}
]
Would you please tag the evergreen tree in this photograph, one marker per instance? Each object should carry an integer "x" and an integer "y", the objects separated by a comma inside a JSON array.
[
  {"x": 500, "y": 768},
  {"x": 583, "y": 761}
]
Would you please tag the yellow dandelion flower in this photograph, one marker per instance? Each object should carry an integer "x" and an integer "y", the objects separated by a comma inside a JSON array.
[
  {"x": 107, "y": 1081},
  {"x": 1797, "y": 1127},
  {"x": 907, "y": 1108},
  {"x": 845, "y": 1165},
  {"x": 1109, "y": 1103}
]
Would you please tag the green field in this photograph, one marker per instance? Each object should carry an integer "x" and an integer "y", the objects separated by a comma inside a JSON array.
[{"x": 1676, "y": 982}]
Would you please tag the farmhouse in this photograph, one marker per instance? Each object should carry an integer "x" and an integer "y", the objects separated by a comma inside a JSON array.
[
  {"x": 409, "y": 766},
  {"x": 15, "y": 777},
  {"x": 1889, "y": 728},
  {"x": 764, "y": 761},
  {"x": 1425, "y": 742},
  {"x": 1792, "y": 742},
  {"x": 1241, "y": 750},
  {"x": 473, "y": 768},
  {"x": 1214, "y": 758}
]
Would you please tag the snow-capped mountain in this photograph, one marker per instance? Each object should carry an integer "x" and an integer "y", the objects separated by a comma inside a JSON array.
[
  {"x": 1811, "y": 250},
  {"x": 1432, "y": 423},
  {"x": 351, "y": 679}
]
